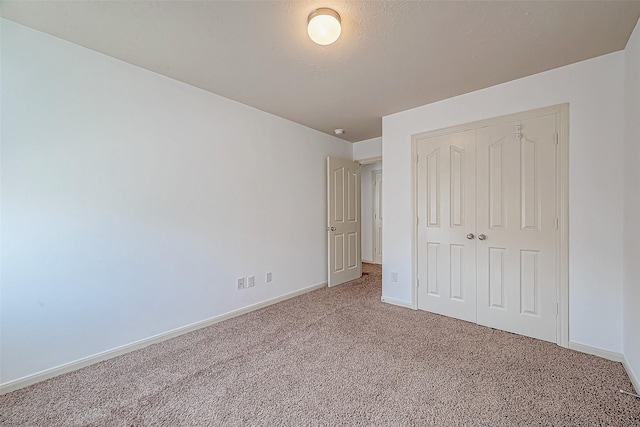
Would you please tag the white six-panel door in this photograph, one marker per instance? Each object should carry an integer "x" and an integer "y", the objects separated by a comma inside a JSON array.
[
  {"x": 487, "y": 226},
  {"x": 516, "y": 214},
  {"x": 343, "y": 228},
  {"x": 446, "y": 222}
]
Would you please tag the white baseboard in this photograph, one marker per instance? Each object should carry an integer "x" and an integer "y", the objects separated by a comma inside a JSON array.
[
  {"x": 595, "y": 351},
  {"x": 397, "y": 302},
  {"x": 99, "y": 357},
  {"x": 368, "y": 261},
  {"x": 632, "y": 375}
]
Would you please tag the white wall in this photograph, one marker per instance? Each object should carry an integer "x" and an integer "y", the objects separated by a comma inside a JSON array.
[
  {"x": 632, "y": 204},
  {"x": 131, "y": 203},
  {"x": 367, "y": 149},
  {"x": 366, "y": 191},
  {"x": 594, "y": 89}
]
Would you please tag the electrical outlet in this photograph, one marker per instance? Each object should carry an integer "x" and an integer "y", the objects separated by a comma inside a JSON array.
[
  {"x": 394, "y": 277},
  {"x": 268, "y": 279},
  {"x": 251, "y": 281},
  {"x": 241, "y": 283}
]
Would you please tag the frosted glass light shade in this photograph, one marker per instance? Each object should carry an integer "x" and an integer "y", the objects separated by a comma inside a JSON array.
[{"x": 324, "y": 26}]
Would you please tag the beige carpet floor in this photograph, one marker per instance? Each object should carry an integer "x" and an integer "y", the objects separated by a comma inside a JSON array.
[{"x": 336, "y": 357}]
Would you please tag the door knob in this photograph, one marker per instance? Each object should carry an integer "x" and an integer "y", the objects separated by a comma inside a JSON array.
[
  {"x": 482, "y": 237},
  {"x": 470, "y": 236},
  {"x": 331, "y": 229}
]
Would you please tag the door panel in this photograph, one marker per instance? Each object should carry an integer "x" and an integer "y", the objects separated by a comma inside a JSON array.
[
  {"x": 497, "y": 202},
  {"x": 343, "y": 230},
  {"x": 529, "y": 282},
  {"x": 516, "y": 211},
  {"x": 457, "y": 186},
  {"x": 446, "y": 215},
  {"x": 353, "y": 189},
  {"x": 496, "y": 277}
]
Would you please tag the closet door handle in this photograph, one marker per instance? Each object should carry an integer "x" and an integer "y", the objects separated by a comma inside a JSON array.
[
  {"x": 482, "y": 237},
  {"x": 470, "y": 236}
]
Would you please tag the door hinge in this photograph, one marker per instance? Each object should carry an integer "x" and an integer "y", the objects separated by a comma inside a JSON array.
[
  {"x": 556, "y": 138},
  {"x": 417, "y": 157},
  {"x": 417, "y": 283},
  {"x": 418, "y": 221},
  {"x": 557, "y": 308},
  {"x": 557, "y": 223}
]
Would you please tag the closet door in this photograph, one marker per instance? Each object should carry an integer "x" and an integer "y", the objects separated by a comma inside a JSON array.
[
  {"x": 516, "y": 227},
  {"x": 446, "y": 225}
]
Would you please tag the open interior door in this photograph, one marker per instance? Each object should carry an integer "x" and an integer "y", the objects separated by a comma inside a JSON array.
[{"x": 343, "y": 218}]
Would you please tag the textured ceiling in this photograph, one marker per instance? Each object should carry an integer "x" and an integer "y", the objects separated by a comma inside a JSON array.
[{"x": 391, "y": 56}]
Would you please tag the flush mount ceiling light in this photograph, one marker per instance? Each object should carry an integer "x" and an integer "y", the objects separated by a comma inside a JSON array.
[{"x": 324, "y": 26}]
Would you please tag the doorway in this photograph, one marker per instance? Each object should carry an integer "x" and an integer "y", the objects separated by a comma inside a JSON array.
[{"x": 371, "y": 202}]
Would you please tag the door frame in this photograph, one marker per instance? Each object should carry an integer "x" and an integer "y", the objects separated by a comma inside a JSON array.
[
  {"x": 562, "y": 203},
  {"x": 373, "y": 220}
]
